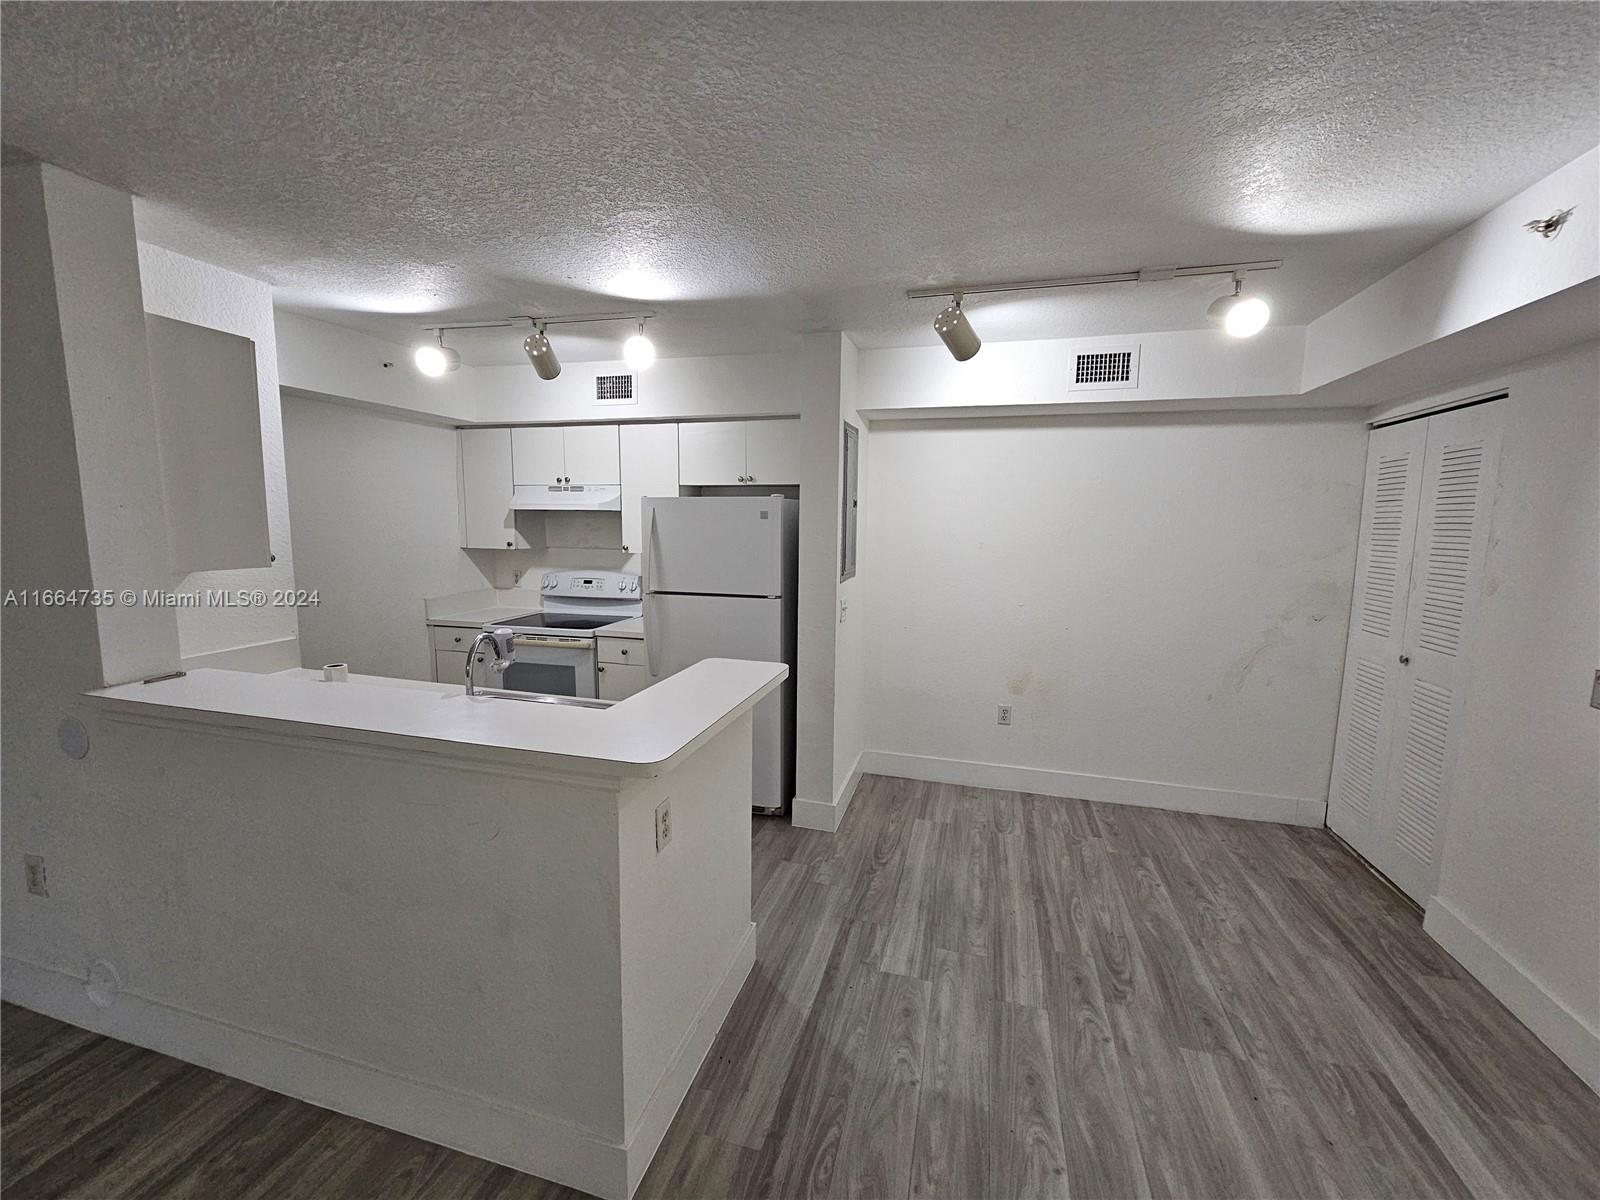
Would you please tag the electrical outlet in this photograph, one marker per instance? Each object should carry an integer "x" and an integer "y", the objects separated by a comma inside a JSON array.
[
  {"x": 516, "y": 578},
  {"x": 1003, "y": 717},
  {"x": 663, "y": 824},
  {"x": 33, "y": 864}
]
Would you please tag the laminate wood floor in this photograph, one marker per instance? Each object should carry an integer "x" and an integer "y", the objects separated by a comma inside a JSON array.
[{"x": 963, "y": 994}]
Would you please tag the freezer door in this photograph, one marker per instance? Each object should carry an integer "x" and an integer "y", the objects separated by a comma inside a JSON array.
[
  {"x": 714, "y": 545},
  {"x": 681, "y": 630}
]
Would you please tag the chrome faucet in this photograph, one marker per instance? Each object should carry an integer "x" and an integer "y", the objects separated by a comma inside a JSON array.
[{"x": 500, "y": 639}]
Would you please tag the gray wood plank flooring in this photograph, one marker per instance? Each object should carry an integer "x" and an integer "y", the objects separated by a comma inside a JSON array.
[{"x": 965, "y": 993}]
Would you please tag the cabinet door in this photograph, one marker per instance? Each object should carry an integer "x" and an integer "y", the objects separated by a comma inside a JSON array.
[
  {"x": 484, "y": 488},
  {"x": 592, "y": 455},
  {"x": 711, "y": 452},
  {"x": 538, "y": 455},
  {"x": 649, "y": 468},
  {"x": 772, "y": 451},
  {"x": 619, "y": 682}
]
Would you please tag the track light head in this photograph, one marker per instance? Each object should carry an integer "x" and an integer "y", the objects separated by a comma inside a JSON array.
[
  {"x": 437, "y": 359},
  {"x": 1239, "y": 315},
  {"x": 956, "y": 332},
  {"x": 639, "y": 352},
  {"x": 541, "y": 353}
]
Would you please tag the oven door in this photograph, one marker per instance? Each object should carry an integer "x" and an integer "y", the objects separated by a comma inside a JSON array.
[{"x": 552, "y": 666}]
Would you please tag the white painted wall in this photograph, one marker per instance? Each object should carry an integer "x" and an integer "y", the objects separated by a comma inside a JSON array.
[
  {"x": 1519, "y": 890},
  {"x": 1163, "y": 600},
  {"x": 1491, "y": 267},
  {"x": 1186, "y": 365},
  {"x": 77, "y": 261},
  {"x": 733, "y": 385},
  {"x": 333, "y": 361},
  {"x": 186, "y": 289},
  {"x": 853, "y": 634},
  {"x": 373, "y": 502}
]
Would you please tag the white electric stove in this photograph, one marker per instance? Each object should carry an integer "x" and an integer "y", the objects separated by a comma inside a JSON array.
[{"x": 555, "y": 648}]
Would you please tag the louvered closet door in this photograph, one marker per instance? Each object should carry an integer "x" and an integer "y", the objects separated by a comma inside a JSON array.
[
  {"x": 1363, "y": 745},
  {"x": 1446, "y": 581}
]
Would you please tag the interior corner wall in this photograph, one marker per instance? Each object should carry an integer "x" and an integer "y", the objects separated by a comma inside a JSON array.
[
  {"x": 186, "y": 289},
  {"x": 1519, "y": 888},
  {"x": 81, "y": 233},
  {"x": 372, "y": 498},
  {"x": 817, "y": 380},
  {"x": 1161, "y": 600},
  {"x": 850, "y": 636}
]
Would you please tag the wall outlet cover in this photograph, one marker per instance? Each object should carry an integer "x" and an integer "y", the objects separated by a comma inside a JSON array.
[
  {"x": 33, "y": 867},
  {"x": 663, "y": 824},
  {"x": 1003, "y": 715}
]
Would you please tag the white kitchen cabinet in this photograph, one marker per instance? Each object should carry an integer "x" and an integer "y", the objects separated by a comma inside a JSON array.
[
  {"x": 484, "y": 491},
  {"x": 617, "y": 682},
  {"x": 538, "y": 455},
  {"x": 592, "y": 454},
  {"x": 208, "y": 427},
  {"x": 772, "y": 451},
  {"x": 549, "y": 454},
  {"x": 711, "y": 452},
  {"x": 649, "y": 468},
  {"x": 730, "y": 453}
]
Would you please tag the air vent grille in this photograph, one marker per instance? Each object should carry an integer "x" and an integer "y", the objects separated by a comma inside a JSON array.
[
  {"x": 1110, "y": 367},
  {"x": 613, "y": 389},
  {"x": 1113, "y": 367}
]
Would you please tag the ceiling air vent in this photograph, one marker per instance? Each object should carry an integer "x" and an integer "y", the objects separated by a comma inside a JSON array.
[
  {"x": 614, "y": 389},
  {"x": 1110, "y": 367}
]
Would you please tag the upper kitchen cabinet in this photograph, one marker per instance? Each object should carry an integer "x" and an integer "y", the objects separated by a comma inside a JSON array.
[
  {"x": 772, "y": 451},
  {"x": 208, "y": 428},
  {"x": 542, "y": 455},
  {"x": 484, "y": 483},
  {"x": 712, "y": 453},
  {"x": 649, "y": 468}
]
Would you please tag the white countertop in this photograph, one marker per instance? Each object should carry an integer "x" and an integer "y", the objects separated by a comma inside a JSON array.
[
  {"x": 633, "y": 627},
  {"x": 474, "y": 618},
  {"x": 646, "y": 734}
]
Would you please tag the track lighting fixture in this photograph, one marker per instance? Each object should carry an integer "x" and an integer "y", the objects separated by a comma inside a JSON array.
[
  {"x": 639, "y": 352},
  {"x": 1242, "y": 316},
  {"x": 436, "y": 359},
  {"x": 541, "y": 354},
  {"x": 956, "y": 332}
]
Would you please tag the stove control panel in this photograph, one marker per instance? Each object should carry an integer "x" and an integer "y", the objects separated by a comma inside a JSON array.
[{"x": 608, "y": 584}]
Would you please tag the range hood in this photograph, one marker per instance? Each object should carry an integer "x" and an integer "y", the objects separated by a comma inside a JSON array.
[{"x": 572, "y": 497}]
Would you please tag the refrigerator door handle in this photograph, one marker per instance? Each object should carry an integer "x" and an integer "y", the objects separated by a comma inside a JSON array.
[
  {"x": 650, "y": 551},
  {"x": 652, "y": 635}
]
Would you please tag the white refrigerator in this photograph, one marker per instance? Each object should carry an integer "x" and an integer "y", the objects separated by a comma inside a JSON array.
[{"x": 720, "y": 577}]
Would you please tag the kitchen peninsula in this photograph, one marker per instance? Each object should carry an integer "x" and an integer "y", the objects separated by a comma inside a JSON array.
[{"x": 510, "y": 927}]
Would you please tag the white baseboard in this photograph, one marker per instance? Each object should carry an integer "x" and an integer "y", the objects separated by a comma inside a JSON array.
[
  {"x": 513, "y": 1136},
  {"x": 828, "y": 815},
  {"x": 1551, "y": 1021},
  {"x": 262, "y": 657},
  {"x": 665, "y": 1100},
  {"x": 1104, "y": 789}
]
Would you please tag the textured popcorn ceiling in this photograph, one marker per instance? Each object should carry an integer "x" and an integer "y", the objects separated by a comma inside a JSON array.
[{"x": 757, "y": 171}]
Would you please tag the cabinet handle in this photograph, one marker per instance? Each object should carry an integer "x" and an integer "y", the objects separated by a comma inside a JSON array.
[
  {"x": 601, "y": 667},
  {"x": 458, "y": 641},
  {"x": 1405, "y": 660},
  {"x": 508, "y": 545},
  {"x": 624, "y": 653}
]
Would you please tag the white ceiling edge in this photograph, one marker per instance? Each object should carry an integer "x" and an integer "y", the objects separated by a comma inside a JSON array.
[{"x": 1490, "y": 294}]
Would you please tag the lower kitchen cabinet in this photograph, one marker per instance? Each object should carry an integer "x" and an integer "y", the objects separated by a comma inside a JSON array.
[
  {"x": 450, "y": 666},
  {"x": 618, "y": 682}
]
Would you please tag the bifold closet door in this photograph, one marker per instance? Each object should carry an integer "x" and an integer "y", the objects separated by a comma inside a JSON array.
[
  {"x": 1361, "y": 754},
  {"x": 1419, "y": 576}
]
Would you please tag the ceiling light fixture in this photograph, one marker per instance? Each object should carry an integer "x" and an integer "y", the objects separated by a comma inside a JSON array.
[
  {"x": 639, "y": 352},
  {"x": 541, "y": 354},
  {"x": 1240, "y": 315},
  {"x": 436, "y": 360},
  {"x": 956, "y": 332},
  {"x": 1243, "y": 316}
]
